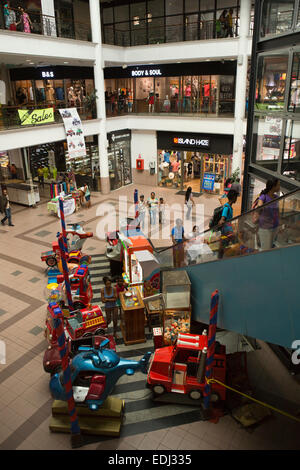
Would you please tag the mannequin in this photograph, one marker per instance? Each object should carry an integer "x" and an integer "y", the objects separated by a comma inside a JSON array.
[
  {"x": 151, "y": 101},
  {"x": 166, "y": 104},
  {"x": 71, "y": 96},
  {"x": 50, "y": 93},
  {"x": 187, "y": 97}
]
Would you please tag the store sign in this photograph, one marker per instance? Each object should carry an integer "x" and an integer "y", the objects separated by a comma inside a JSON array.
[
  {"x": 38, "y": 116},
  {"x": 203, "y": 143},
  {"x": 75, "y": 136},
  {"x": 146, "y": 73},
  {"x": 208, "y": 181},
  {"x": 47, "y": 74}
]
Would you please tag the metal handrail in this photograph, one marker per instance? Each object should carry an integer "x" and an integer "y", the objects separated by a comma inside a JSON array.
[{"x": 250, "y": 211}]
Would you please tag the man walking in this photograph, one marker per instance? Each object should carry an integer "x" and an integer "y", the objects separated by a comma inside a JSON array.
[{"x": 5, "y": 208}]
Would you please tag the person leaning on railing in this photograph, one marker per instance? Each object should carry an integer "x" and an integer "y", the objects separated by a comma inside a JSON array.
[{"x": 268, "y": 217}]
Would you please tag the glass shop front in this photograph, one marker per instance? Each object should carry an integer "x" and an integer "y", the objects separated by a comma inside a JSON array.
[
  {"x": 58, "y": 86},
  {"x": 204, "y": 87},
  {"x": 119, "y": 158},
  {"x": 202, "y": 161}
]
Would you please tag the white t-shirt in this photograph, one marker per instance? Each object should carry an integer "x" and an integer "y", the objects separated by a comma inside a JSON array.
[{"x": 189, "y": 202}]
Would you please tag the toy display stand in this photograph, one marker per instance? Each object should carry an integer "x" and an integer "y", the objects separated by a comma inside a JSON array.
[
  {"x": 106, "y": 421},
  {"x": 132, "y": 317}
]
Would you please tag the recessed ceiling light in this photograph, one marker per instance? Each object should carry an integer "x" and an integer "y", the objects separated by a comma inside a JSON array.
[
  {"x": 31, "y": 63},
  {"x": 66, "y": 62},
  {"x": 178, "y": 62},
  {"x": 27, "y": 60}
]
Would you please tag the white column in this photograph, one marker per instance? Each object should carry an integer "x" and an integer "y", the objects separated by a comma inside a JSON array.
[
  {"x": 240, "y": 87},
  {"x": 99, "y": 86}
]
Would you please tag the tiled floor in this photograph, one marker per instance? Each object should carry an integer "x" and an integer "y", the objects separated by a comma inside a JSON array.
[{"x": 25, "y": 403}]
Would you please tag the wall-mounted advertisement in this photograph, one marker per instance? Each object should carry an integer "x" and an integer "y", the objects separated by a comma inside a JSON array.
[{"x": 74, "y": 132}]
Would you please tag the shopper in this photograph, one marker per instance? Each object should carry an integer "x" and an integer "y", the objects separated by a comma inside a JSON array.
[
  {"x": 223, "y": 23},
  {"x": 25, "y": 21},
  {"x": 229, "y": 31},
  {"x": 269, "y": 216},
  {"x": 227, "y": 232},
  {"x": 236, "y": 186},
  {"x": 177, "y": 235},
  {"x": 142, "y": 211},
  {"x": 189, "y": 201},
  {"x": 109, "y": 298},
  {"x": 21, "y": 98},
  {"x": 162, "y": 211},
  {"x": 13, "y": 171},
  {"x": 5, "y": 208},
  {"x": 40, "y": 173},
  {"x": 153, "y": 205},
  {"x": 9, "y": 17}
]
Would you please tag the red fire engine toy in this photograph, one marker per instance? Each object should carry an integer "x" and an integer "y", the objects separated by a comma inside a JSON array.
[
  {"x": 181, "y": 368},
  {"x": 82, "y": 323},
  {"x": 81, "y": 287}
]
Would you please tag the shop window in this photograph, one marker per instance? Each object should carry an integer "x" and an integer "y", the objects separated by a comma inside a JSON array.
[
  {"x": 156, "y": 31},
  {"x": 291, "y": 155},
  {"x": 121, "y": 13},
  {"x": 191, "y": 27},
  {"x": 191, "y": 6},
  {"x": 267, "y": 135},
  {"x": 271, "y": 82},
  {"x": 277, "y": 17},
  {"x": 107, "y": 15},
  {"x": 294, "y": 99},
  {"x": 174, "y": 7},
  {"x": 206, "y": 26},
  {"x": 109, "y": 35}
]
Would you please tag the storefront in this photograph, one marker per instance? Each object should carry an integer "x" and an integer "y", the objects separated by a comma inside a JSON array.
[
  {"x": 204, "y": 87},
  {"x": 202, "y": 161},
  {"x": 119, "y": 158},
  {"x": 54, "y": 157},
  {"x": 59, "y": 86}
]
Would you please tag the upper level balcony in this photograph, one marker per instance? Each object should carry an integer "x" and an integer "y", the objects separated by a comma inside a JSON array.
[
  {"x": 127, "y": 23},
  {"x": 65, "y": 24}
]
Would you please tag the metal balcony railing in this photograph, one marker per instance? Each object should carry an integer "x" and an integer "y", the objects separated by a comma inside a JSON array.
[{"x": 46, "y": 25}]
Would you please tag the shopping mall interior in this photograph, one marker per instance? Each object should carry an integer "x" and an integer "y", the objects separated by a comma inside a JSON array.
[{"x": 149, "y": 187}]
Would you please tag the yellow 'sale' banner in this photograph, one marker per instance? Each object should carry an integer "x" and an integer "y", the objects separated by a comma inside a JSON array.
[{"x": 37, "y": 116}]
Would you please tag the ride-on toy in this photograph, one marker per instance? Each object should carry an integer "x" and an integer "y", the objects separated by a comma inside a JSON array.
[
  {"x": 52, "y": 361},
  {"x": 74, "y": 248},
  {"x": 81, "y": 323},
  {"x": 180, "y": 369},
  {"x": 95, "y": 371},
  {"x": 81, "y": 287}
]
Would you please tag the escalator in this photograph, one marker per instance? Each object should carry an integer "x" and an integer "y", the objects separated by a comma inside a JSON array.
[{"x": 258, "y": 277}]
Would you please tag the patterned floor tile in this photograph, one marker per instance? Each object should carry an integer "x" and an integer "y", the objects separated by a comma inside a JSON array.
[
  {"x": 34, "y": 280},
  {"x": 36, "y": 330},
  {"x": 43, "y": 233},
  {"x": 16, "y": 273}
]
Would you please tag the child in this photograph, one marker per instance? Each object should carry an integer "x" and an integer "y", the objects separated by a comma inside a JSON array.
[
  {"x": 142, "y": 211},
  {"x": 162, "y": 209}
]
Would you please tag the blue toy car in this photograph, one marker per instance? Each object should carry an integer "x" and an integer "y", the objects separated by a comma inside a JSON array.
[{"x": 94, "y": 373}]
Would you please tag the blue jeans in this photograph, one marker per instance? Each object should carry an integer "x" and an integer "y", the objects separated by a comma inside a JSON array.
[
  {"x": 7, "y": 216},
  {"x": 152, "y": 216}
]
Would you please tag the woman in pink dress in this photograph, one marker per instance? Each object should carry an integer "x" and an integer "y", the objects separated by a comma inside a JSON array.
[{"x": 25, "y": 19}]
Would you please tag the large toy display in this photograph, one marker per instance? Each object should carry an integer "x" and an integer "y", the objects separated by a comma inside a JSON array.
[
  {"x": 95, "y": 371},
  {"x": 181, "y": 368}
]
